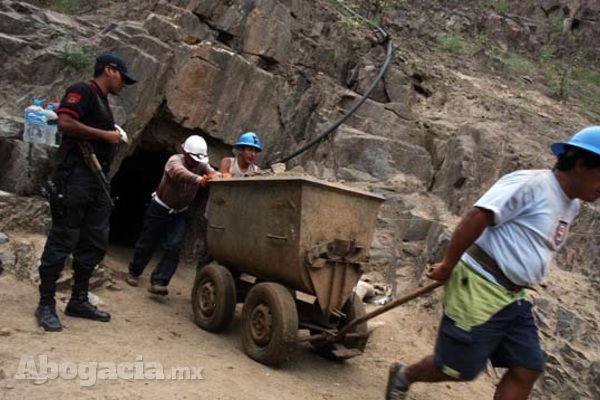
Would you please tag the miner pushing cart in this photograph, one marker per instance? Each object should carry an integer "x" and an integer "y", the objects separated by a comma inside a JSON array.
[{"x": 291, "y": 249}]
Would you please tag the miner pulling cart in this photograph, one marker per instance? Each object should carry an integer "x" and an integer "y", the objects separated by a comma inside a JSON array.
[{"x": 291, "y": 249}]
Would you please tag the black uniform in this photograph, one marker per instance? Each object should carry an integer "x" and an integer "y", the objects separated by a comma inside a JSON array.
[{"x": 79, "y": 206}]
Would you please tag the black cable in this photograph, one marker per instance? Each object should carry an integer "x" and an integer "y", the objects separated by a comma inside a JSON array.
[{"x": 384, "y": 38}]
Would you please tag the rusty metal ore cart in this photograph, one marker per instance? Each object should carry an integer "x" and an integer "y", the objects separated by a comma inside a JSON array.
[{"x": 291, "y": 249}]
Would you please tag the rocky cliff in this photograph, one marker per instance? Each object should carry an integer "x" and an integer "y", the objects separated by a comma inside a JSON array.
[{"x": 475, "y": 89}]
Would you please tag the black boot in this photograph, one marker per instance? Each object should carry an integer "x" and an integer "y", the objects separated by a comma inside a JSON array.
[
  {"x": 79, "y": 305},
  {"x": 46, "y": 311},
  {"x": 47, "y": 318}
]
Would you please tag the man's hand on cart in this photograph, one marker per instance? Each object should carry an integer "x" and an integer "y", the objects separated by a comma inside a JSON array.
[{"x": 205, "y": 178}]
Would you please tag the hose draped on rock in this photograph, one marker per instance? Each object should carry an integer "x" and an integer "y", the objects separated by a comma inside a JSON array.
[{"x": 383, "y": 38}]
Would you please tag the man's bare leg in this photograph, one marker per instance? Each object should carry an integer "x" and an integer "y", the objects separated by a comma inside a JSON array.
[
  {"x": 400, "y": 377},
  {"x": 425, "y": 371},
  {"x": 516, "y": 384}
]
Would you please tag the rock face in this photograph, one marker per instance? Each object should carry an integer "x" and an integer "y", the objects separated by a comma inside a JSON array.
[
  {"x": 25, "y": 165},
  {"x": 434, "y": 134},
  {"x": 219, "y": 92}
]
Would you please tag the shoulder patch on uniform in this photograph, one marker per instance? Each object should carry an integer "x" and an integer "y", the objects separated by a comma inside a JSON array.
[{"x": 73, "y": 98}]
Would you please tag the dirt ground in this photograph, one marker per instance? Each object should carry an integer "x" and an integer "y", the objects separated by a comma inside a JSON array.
[{"x": 162, "y": 330}]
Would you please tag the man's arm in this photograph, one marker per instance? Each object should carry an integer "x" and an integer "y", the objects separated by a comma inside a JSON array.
[
  {"x": 207, "y": 169},
  {"x": 74, "y": 128},
  {"x": 177, "y": 170},
  {"x": 225, "y": 165},
  {"x": 470, "y": 227}
]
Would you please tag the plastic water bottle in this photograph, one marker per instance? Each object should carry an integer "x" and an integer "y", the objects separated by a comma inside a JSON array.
[
  {"x": 51, "y": 127},
  {"x": 35, "y": 123}
]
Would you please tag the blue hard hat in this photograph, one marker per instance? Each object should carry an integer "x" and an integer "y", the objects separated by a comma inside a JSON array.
[
  {"x": 249, "y": 139},
  {"x": 587, "y": 139}
]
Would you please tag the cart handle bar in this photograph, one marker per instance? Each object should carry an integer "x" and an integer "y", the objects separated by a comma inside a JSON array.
[{"x": 389, "y": 306}]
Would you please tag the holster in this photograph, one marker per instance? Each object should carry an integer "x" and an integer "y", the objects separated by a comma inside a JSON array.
[{"x": 55, "y": 189}]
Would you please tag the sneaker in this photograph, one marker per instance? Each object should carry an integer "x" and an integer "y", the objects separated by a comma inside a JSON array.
[
  {"x": 132, "y": 280},
  {"x": 159, "y": 290},
  {"x": 397, "y": 386}
]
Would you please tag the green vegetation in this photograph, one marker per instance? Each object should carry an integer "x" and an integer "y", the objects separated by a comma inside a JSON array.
[
  {"x": 68, "y": 7},
  {"x": 372, "y": 10},
  {"x": 519, "y": 64},
  {"x": 587, "y": 84},
  {"x": 559, "y": 71},
  {"x": 564, "y": 74},
  {"x": 555, "y": 24},
  {"x": 561, "y": 64},
  {"x": 76, "y": 58},
  {"x": 451, "y": 43},
  {"x": 589, "y": 76},
  {"x": 501, "y": 6},
  {"x": 558, "y": 76},
  {"x": 545, "y": 55}
]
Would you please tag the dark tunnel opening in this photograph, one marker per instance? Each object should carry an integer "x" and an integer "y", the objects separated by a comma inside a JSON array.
[
  {"x": 140, "y": 173},
  {"x": 133, "y": 184}
]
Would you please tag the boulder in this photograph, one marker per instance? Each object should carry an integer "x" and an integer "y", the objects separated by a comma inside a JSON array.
[
  {"x": 474, "y": 159},
  {"x": 28, "y": 214},
  {"x": 26, "y": 166},
  {"x": 268, "y": 31},
  {"x": 224, "y": 95},
  {"x": 149, "y": 59},
  {"x": 593, "y": 378},
  {"x": 379, "y": 156}
]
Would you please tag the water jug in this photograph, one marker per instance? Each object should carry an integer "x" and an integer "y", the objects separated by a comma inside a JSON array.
[
  {"x": 51, "y": 127},
  {"x": 35, "y": 123}
]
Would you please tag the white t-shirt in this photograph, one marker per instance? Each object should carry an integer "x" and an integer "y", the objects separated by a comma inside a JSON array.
[{"x": 532, "y": 216}]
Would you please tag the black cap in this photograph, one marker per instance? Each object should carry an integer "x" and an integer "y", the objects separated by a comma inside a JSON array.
[{"x": 116, "y": 62}]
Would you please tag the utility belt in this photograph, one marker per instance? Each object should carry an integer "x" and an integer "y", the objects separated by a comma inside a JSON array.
[
  {"x": 69, "y": 156},
  {"x": 490, "y": 266},
  {"x": 163, "y": 204}
]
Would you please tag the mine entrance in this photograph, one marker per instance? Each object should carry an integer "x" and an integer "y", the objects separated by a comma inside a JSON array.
[{"x": 137, "y": 178}]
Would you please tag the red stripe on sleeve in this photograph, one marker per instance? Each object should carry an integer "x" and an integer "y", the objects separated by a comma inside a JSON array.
[{"x": 68, "y": 111}]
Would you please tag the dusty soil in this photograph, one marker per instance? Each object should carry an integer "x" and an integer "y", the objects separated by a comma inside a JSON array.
[{"x": 162, "y": 330}]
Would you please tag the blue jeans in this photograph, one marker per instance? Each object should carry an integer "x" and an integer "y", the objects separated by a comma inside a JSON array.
[{"x": 168, "y": 230}]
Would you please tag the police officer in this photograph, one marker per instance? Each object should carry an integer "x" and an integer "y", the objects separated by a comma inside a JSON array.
[{"x": 79, "y": 204}]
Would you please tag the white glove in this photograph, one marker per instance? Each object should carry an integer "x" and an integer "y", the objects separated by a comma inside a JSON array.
[{"x": 122, "y": 134}]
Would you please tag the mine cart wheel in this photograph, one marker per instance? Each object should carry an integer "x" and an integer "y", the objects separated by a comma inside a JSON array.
[
  {"x": 213, "y": 298},
  {"x": 353, "y": 309},
  {"x": 269, "y": 323}
]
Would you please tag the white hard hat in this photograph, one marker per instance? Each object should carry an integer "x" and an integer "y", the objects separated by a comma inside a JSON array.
[{"x": 195, "y": 147}]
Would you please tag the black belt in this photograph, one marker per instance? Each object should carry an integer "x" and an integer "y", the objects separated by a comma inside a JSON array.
[{"x": 490, "y": 265}]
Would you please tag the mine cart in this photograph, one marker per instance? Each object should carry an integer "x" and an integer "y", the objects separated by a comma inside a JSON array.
[{"x": 291, "y": 249}]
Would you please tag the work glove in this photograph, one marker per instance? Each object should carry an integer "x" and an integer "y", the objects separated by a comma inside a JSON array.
[
  {"x": 122, "y": 134},
  {"x": 203, "y": 181}
]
